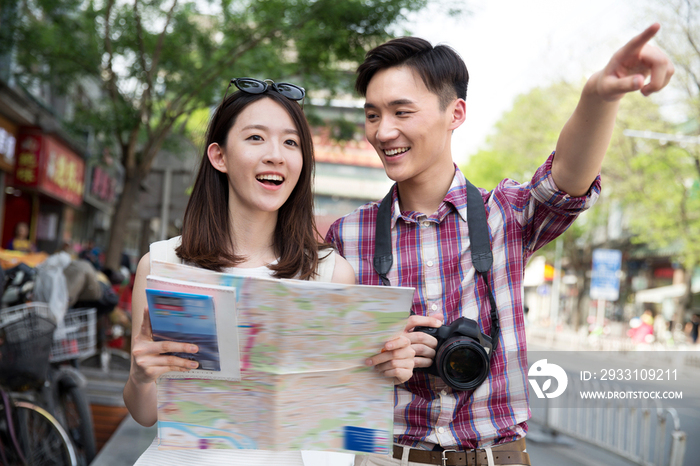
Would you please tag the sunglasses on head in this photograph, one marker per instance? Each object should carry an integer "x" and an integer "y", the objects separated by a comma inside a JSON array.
[{"x": 256, "y": 86}]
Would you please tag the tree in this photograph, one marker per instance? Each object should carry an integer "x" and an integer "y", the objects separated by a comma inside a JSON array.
[
  {"x": 679, "y": 185},
  {"x": 522, "y": 139},
  {"x": 524, "y": 136},
  {"x": 633, "y": 178},
  {"x": 157, "y": 61}
]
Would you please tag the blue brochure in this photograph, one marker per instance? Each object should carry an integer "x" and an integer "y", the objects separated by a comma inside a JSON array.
[{"x": 186, "y": 318}]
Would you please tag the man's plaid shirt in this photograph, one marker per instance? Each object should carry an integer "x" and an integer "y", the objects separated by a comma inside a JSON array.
[{"x": 432, "y": 255}]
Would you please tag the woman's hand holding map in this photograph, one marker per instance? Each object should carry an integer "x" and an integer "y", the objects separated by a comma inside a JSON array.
[{"x": 149, "y": 360}]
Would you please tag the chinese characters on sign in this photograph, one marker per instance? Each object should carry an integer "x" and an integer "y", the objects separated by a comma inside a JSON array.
[
  {"x": 53, "y": 168},
  {"x": 27, "y": 168},
  {"x": 65, "y": 172},
  {"x": 104, "y": 186}
]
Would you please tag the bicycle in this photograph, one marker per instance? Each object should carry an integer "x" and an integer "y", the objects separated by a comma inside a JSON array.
[
  {"x": 29, "y": 434},
  {"x": 73, "y": 341}
]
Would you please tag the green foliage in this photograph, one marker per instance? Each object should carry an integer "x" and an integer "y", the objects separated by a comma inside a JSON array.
[
  {"x": 655, "y": 184},
  {"x": 136, "y": 70},
  {"x": 524, "y": 136},
  {"x": 655, "y": 181},
  {"x": 343, "y": 130},
  {"x": 315, "y": 120},
  {"x": 486, "y": 168},
  {"x": 157, "y": 60}
]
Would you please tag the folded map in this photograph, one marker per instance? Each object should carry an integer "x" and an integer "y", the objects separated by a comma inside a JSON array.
[{"x": 303, "y": 382}]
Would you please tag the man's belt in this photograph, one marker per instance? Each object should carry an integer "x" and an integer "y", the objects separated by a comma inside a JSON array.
[{"x": 507, "y": 453}]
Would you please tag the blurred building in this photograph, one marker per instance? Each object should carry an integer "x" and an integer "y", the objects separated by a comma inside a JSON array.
[
  {"x": 164, "y": 196},
  {"x": 48, "y": 177},
  {"x": 649, "y": 279},
  {"x": 349, "y": 172},
  {"x": 62, "y": 184}
]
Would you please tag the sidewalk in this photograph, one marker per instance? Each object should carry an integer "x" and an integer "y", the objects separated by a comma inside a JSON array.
[
  {"x": 567, "y": 452},
  {"x": 131, "y": 439},
  {"x": 126, "y": 444}
]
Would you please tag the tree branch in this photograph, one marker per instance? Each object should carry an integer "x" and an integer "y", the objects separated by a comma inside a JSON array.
[
  {"x": 130, "y": 164},
  {"x": 696, "y": 159},
  {"x": 695, "y": 48},
  {"x": 178, "y": 106},
  {"x": 213, "y": 74},
  {"x": 213, "y": 70},
  {"x": 145, "y": 109},
  {"x": 111, "y": 80},
  {"x": 161, "y": 40},
  {"x": 154, "y": 146}
]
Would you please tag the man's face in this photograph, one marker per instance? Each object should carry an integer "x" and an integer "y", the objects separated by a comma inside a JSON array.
[{"x": 404, "y": 123}]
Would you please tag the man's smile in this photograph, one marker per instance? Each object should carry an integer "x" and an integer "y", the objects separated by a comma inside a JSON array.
[{"x": 396, "y": 151}]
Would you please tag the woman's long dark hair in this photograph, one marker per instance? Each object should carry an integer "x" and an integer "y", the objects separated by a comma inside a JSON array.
[{"x": 206, "y": 229}]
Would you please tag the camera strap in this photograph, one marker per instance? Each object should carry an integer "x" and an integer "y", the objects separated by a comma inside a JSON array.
[{"x": 482, "y": 257}]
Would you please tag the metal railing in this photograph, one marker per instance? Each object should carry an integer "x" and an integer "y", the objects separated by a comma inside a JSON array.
[{"x": 623, "y": 427}]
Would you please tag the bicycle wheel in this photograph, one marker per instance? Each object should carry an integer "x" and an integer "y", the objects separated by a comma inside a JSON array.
[
  {"x": 42, "y": 439},
  {"x": 73, "y": 410}
]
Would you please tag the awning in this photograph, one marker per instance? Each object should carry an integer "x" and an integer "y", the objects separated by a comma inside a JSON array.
[{"x": 658, "y": 295}]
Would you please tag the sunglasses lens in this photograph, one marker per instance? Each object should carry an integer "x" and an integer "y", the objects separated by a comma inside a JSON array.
[
  {"x": 290, "y": 91},
  {"x": 250, "y": 86}
]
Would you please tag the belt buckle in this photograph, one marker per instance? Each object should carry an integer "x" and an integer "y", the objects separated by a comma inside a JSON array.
[{"x": 444, "y": 457}]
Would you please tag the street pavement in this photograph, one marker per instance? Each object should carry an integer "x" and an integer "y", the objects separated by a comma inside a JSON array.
[{"x": 131, "y": 439}]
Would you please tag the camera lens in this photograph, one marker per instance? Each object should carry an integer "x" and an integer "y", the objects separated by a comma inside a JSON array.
[{"x": 462, "y": 363}]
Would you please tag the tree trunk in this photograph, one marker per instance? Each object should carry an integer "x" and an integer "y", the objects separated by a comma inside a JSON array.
[
  {"x": 581, "y": 260},
  {"x": 120, "y": 219},
  {"x": 687, "y": 299}
]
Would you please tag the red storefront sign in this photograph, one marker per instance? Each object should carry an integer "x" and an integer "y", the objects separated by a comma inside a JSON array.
[
  {"x": 27, "y": 166},
  {"x": 103, "y": 186},
  {"x": 52, "y": 168}
]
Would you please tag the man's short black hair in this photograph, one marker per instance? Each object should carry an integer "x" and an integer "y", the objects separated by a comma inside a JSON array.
[{"x": 442, "y": 70}]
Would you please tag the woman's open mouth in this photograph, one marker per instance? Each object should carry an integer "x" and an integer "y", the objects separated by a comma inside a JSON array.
[{"x": 270, "y": 180}]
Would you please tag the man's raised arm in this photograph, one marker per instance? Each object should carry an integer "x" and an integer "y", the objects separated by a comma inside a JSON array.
[{"x": 585, "y": 138}]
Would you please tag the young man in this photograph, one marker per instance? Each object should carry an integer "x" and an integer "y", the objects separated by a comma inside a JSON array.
[{"x": 415, "y": 98}]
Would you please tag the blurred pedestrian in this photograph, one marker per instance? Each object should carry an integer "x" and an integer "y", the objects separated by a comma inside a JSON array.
[
  {"x": 20, "y": 241},
  {"x": 91, "y": 253},
  {"x": 642, "y": 328},
  {"x": 691, "y": 328}
]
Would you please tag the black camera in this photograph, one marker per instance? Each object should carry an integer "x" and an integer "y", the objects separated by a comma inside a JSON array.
[{"x": 463, "y": 354}]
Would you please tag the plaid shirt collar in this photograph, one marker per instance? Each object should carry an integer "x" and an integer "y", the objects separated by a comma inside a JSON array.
[{"x": 455, "y": 199}]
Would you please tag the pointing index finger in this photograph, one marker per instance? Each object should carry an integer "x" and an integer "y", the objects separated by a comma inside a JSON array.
[{"x": 636, "y": 44}]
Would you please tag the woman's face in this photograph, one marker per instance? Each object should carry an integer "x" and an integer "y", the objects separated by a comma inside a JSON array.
[
  {"x": 22, "y": 231},
  {"x": 262, "y": 158}
]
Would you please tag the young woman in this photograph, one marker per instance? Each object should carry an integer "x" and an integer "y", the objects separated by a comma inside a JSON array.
[{"x": 250, "y": 214}]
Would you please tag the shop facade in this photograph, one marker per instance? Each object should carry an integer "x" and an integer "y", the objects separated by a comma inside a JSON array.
[
  {"x": 8, "y": 142},
  {"x": 45, "y": 190},
  {"x": 103, "y": 183}
]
